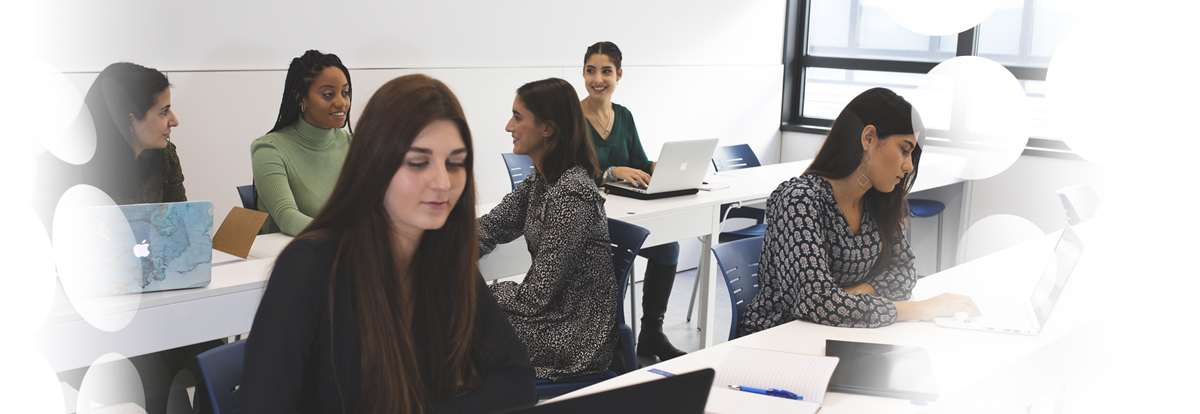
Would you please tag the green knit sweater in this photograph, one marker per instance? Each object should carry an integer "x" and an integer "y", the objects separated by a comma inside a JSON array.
[{"x": 295, "y": 170}]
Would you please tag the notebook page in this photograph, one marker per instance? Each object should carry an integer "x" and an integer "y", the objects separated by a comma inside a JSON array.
[
  {"x": 805, "y": 375},
  {"x": 727, "y": 401}
]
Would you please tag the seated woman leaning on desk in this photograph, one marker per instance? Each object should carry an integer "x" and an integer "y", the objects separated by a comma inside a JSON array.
[
  {"x": 834, "y": 252},
  {"x": 135, "y": 162},
  {"x": 297, "y": 162},
  {"x": 621, "y": 157},
  {"x": 566, "y": 308},
  {"x": 378, "y": 306}
]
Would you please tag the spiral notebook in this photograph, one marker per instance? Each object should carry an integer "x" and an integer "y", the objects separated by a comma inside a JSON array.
[{"x": 804, "y": 375}]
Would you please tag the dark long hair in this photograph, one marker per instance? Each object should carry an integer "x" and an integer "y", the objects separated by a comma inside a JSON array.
[
  {"x": 120, "y": 90},
  {"x": 842, "y": 153},
  {"x": 553, "y": 102},
  {"x": 442, "y": 272},
  {"x": 300, "y": 76},
  {"x": 609, "y": 49}
]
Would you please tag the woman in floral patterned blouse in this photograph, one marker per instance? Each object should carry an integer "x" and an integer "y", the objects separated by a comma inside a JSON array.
[
  {"x": 834, "y": 252},
  {"x": 565, "y": 310}
]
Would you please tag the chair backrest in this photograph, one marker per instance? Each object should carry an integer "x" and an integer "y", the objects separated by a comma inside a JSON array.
[
  {"x": 247, "y": 194},
  {"x": 738, "y": 261},
  {"x": 626, "y": 241},
  {"x": 519, "y": 167},
  {"x": 1080, "y": 202},
  {"x": 221, "y": 368},
  {"x": 734, "y": 157}
]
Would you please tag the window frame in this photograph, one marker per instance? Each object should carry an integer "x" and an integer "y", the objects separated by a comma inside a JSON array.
[{"x": 797, "y": 61}]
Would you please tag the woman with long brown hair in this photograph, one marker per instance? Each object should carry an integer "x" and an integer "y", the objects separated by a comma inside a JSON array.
[
  {"x": 621, "y": 157},
  {"x": 834, "y": 252},
  {"x": 565, "y": 310},
  {"x": 377, "y": 306}
]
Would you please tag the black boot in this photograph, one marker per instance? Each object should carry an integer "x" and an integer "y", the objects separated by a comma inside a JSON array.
[{"x": 656, "y": 291}]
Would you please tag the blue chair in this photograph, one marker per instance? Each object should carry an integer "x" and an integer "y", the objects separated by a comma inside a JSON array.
[
  {"x": 929, "y": 208},
  {"x": 729, "y": 158},
  {"x": 1080, "y": 202},
  {"x": 248, "y": 193},
  {"x": 738, "y": 261},
  {"x": 736, "y": 157},
  {"x": 519, "y": 167},
  {"x": 626, "y": 241},
  {"x": 221, "y": 368}
]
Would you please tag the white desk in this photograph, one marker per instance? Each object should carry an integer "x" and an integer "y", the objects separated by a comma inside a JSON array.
[
  {"x": 975, "y": 371},
  {"x": 165, "y": 320}
]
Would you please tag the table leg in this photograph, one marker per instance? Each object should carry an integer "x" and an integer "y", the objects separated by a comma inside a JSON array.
[{"x": 708, "y": 284}]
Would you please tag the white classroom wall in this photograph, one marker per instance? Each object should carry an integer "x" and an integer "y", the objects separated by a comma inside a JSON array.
[{"x": 692, "y": 69}]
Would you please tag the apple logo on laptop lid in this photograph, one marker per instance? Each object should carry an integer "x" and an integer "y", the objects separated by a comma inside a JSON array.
[
  {"x": 683, "y": 166},
  {"x": 141, "y": 249}
]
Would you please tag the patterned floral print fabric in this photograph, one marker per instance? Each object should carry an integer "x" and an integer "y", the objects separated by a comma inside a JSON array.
[
  {"x": 565, "y": 311},
  {"x": 809, "y": 254}
]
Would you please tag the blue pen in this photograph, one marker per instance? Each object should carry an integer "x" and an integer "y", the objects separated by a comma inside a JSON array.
[{"x": 770, "y": 391}]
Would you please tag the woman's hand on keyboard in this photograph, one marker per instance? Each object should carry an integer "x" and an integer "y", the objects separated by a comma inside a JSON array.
[
  {"x": 945, "y": 304},
  {"x": 634, "y": 176}
]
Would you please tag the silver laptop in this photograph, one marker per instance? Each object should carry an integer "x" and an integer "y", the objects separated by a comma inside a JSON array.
[
  {"x": 680, "y": 171},
  {"x": 1030, "y": 315},
  {"x": 137, "y": 248}
]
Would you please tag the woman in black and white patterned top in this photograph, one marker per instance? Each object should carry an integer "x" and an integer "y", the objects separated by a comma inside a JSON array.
[
  {"x": 566, "y": 308},
  {"x": 834, "y": 252}
]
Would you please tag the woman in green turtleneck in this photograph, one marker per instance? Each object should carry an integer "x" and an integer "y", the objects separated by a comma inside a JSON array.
[{"x": 297, "y": 163}]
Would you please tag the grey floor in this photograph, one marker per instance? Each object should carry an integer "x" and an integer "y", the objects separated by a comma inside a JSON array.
[{"x": 682, "y": 333}]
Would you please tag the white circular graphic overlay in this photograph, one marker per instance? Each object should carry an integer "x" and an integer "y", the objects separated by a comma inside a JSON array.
[
  {"x": 111, "y": 381},
  {"x": 60, "y": 122},
  {"x": 1130, "y": 112},
  {"x": 93, "y": 248},
  {"x": 976, "y": 115},
  {"x": 29, "y": 288},
  {"x": 27, "y": 382},
  {"x": 995, "y": 233}
]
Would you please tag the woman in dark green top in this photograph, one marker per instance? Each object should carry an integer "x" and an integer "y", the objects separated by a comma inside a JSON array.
[
  {"x": 134, "y": 163},
  {"x": 621, "y": 157}
]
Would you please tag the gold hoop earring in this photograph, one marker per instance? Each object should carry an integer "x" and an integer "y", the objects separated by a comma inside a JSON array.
[{"x": 863, "y": 180}]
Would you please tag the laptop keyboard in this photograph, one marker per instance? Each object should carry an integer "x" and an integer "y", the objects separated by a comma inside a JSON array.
[
  {"x": 1005, "y": 313},
  {"x": 630, "y": 187}
]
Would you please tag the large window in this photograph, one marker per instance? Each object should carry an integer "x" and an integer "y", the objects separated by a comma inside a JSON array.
[{"x": 836, "y": 49}]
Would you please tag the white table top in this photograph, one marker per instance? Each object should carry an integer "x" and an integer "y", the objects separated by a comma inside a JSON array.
[
  {"x": 236, "y": 287},
  {"x": 967, "y": 365}
]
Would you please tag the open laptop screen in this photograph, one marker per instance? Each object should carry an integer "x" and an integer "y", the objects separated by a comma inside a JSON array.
[{"x": 1066, "y": 254}]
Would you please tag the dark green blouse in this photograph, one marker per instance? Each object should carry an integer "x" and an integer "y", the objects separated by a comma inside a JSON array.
[
  {"x": 159, "y": 178},
  {"x": 154, "y": 177},
  {"x": 623, "y": 148}
]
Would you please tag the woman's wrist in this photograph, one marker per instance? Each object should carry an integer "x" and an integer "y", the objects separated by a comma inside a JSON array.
[
  {"x": 909, "y": 310},
  {"x": 611, "y": 177}
]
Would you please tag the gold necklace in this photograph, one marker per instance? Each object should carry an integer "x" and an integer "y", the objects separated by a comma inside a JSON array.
[{"x": 603, "y": 125}]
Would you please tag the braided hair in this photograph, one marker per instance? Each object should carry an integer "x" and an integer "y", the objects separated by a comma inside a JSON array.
[{"x": 300, "y": 76}]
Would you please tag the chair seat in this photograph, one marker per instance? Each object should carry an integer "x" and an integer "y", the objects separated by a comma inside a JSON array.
[
  {"x": 925, "y": 208},
  {"x": 550, "y": 388},
  {"x": 757, "y": 230}
]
